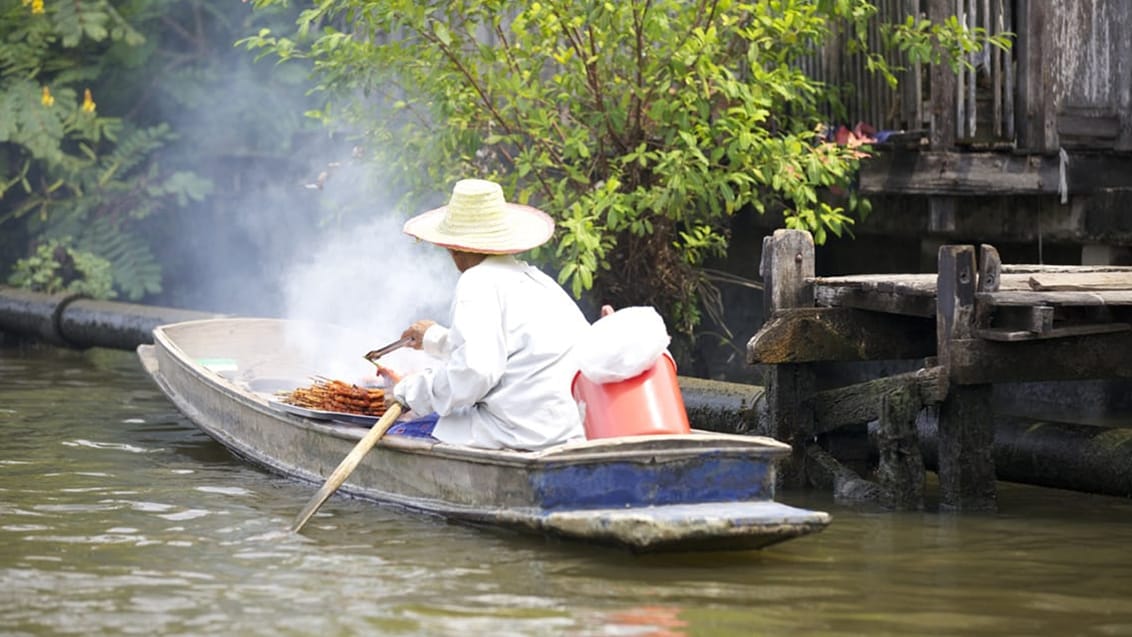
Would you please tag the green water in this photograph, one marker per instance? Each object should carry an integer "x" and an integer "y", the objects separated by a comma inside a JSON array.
[{"x": 117, "y": 517}]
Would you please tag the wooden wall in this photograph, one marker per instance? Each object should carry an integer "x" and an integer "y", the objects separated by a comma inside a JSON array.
[{"x": 1066, "y": 83}]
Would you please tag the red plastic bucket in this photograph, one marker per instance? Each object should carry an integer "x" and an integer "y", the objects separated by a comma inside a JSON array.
[{"x": 649, "y": 403}]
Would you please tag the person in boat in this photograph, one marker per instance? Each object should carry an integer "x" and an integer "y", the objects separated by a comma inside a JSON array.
[{"x": 505, "y": 365}]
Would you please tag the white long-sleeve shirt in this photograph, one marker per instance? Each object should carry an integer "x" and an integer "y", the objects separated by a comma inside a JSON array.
[{"x": 506, "y": 364}]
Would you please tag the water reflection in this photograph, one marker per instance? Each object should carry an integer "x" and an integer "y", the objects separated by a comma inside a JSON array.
[
  {"x": 647, "y": 621},
  {"x": 118, "y": 517}
]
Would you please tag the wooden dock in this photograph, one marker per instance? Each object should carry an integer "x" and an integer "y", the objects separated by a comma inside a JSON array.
[{"x": 974, "y": 323}]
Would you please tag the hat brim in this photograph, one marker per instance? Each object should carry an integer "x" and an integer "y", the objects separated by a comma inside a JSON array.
[{"x": 527, "y": 228}]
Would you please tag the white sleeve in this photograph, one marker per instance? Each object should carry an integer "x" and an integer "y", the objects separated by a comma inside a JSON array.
[
  {"x": 477, "y": 356},
  {"x": 435, "y": 341}
]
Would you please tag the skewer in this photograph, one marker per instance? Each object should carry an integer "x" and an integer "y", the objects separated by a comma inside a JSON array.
[{"x": 327, "y": 394}]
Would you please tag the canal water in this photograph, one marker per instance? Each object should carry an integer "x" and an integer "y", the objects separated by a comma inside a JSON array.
[{"x": 117, "y": 517}]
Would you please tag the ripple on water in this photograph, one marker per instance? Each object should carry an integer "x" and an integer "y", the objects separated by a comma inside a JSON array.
[
  {"x": 225, "y": 490},
  {"x": 187, "y": 514},
  {"x": 115, "y": 446}
]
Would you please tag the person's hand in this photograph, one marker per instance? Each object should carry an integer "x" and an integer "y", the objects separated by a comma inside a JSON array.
[
  {"x": 606, "y": 310},
  {"x": 416, "y": 332},
  {"x": 391, "y": 377}
]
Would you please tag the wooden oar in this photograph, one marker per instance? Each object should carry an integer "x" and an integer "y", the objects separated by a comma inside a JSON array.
[{"x": 347, "y": 466}]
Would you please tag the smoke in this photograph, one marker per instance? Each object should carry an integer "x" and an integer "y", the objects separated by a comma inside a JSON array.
[
  {"x": 297, "y": 226},
  {"x": 374, "y": 281}
]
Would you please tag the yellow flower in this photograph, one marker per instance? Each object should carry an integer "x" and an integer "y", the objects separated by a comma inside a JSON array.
[
  {"x": 88, "y": 103},
  {"x": 48, "y": 99},
  {"x": 36, "y": 7}
]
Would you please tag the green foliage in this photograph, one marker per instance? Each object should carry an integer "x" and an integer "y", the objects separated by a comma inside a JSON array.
[
  {"x": 642, "y": 126},
  {"x": 67, "y": 170},
  {"x": 175, "y": 118},
  {"x": 56, "y": 267}
]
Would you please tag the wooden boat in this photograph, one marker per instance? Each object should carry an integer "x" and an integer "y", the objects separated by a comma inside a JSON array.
[{"x": 698, "y": 491}]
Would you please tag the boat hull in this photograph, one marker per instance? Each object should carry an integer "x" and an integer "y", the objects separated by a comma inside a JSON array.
[{"x": 698, "y": 491}]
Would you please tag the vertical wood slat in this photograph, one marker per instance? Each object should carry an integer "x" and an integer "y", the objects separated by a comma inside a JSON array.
[
  {"x": 972, "y": 74},
  {"x": 986, "y": 113},
  {"x": 1008, "y": 74},
  {"x": 943, "y": 89},
  {"x": 911, "y": 84},
  {"x": 997, "y": 72},
  {"x": 960, "y": 84}
]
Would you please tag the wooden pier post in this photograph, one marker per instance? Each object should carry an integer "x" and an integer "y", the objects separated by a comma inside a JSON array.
[
  {"x": 966, "y": 426},
  {"x": 787, "y": 268},
  {"x": 900, "y": 470}
]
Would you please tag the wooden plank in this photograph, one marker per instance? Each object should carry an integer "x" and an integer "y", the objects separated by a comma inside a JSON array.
[
  {"x": 916, "y": 284},
  {"x": 950, "y": 173},
  {"x": 982, "y": 174},
  {"x": 1094, "y": 126},
  {"x": 979, "y": 361},
  {"x": 807, "y": 335},
  {"x": 1057, "y": 299},
  {"x": 1062, "y": 281},
  {"x": 1027, "y": 268},
  {"x": 907, "y": 294},
  {"x": 1014, "y": 336}
]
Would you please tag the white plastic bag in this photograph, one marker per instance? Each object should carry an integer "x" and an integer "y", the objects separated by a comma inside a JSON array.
[{"x": 622, "y": 345}]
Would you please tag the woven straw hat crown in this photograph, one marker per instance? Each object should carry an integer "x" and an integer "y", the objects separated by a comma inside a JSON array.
[{"x": 478, "y": 219}]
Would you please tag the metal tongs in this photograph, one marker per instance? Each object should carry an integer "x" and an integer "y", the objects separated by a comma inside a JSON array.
[{"x": 372, "y": 356}]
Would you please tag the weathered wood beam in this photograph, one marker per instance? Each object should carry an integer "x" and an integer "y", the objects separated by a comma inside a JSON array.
[
  {"x": 806, "y": 335},
  {"x": 848, "y": 487},
  {"x": 1056, "y": 299},
  {"x": 1077, "y": 281},
  {"x": 907, "y": 294},
  {"x": 860, "y": 403},
  {"x": 1009, "y": 335},
  {"x": 900, "y": 470},
  {"x": 966, "y": 429},
  {"x": 950, "y": 173},
  {"x": 1026, "y": 268},
  {"x": 787, "y": 268},
  {"x": 976, "y": 361},
  {"x": 942, "y": 173}
]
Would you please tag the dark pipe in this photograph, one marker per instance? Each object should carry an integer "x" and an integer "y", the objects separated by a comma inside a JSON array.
[
  {"x": 33, "y": 314},
  {"x": 721, "y": 406},
  {"x": 1084, "y": 458},
  {"x": 71, "y": 321},
  {"x": 91, "y": 323}
]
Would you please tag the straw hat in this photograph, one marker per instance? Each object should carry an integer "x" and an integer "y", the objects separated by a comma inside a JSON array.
[{"x": 478, "y": 219}]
